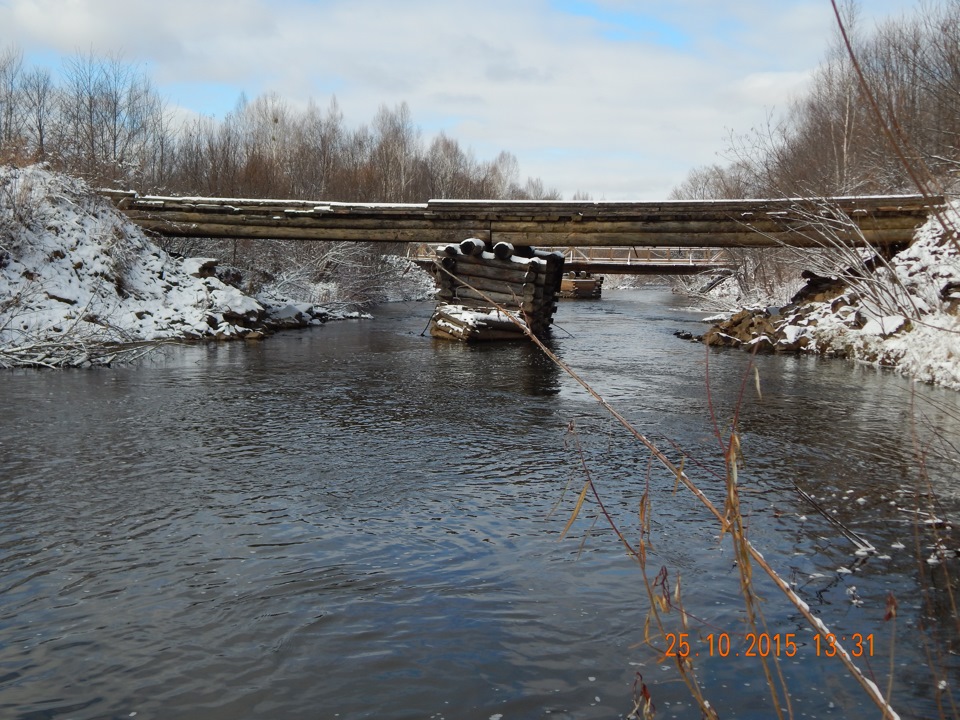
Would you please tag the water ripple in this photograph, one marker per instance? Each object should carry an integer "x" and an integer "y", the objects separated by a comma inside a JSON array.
[{"x": 361, "y": 521}]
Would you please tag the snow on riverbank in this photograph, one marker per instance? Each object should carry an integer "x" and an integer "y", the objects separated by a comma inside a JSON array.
[
  {"x": 902, "y": 316},
  {"x": 77, "y": 280}
]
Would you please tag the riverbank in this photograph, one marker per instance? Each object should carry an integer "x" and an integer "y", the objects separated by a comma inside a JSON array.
[
  {"x": 80, "y": 285},
  {"x": 903, "y": 314}
]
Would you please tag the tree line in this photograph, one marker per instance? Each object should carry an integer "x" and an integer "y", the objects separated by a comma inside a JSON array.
[
  {"x": 106, "y": 122},
  {"x": 831, "y": 142}
]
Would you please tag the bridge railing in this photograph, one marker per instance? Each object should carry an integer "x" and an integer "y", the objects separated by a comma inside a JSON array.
[{"x": 644, "y": 255}]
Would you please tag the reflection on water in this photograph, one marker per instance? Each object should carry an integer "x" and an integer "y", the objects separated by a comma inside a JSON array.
[{"x": 359, "y": 521}]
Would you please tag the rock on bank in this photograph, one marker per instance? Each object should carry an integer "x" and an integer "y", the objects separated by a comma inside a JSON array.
[{"x": 78, "y": 280}]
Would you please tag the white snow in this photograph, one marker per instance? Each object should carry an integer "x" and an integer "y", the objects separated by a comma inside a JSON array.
[
  {"x": 516, "y": 259},
  {"x": 905, "y": 317},
  {"x": 792, "y": 333},
  {"x": 478, "y": 317},
  {"x": 885, "y": 326},
  {"x": 73, "y": 270},
  {"x": 195, "y": 266}
]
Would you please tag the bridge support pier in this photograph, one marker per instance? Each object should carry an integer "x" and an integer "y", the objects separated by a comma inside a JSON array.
[
  {"x": 478, "y": 282},
  {"x": 581, "y": 285}
]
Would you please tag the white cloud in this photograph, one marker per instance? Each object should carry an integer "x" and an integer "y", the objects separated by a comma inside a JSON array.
[
  {"x": 622, "y": 118},
  {"x": 774, "y": 89}
]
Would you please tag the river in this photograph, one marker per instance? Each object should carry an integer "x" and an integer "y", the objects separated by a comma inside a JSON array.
[{"x": 358, "y": 521}]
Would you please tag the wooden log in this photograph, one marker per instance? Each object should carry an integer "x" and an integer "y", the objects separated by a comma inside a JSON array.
[
  {"x": 564, "y": 209},
  {"x": 509, "y": 301},
  {"x": 446, "y": 290},
  {"x": 468, "y": 273},
  {"x": 533, "y": 265},
  {"x": 267, "y": 206},
  {"x": 521, "y": 274},
  {"x": 503, "y": 251},
  {"x": 740, "y": 239},
  {"x": 224, "y": 216},
  {"x": 383, "y": 232},
  {"x": 257, "y": 232},
  {"x": 586, "y": 210},
  {"x": 520, "y": 290},
  {"x": 698, "y": 225},
  {"x": 706, "y": 223},
  {"x": 438, "y": 331},
  {"x": 486, "y": 317},
  {"x": 472, "y": 246}
]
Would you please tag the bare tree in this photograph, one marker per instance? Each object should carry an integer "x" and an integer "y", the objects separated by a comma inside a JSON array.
[
  {"x": 448, "y": 170},
  {"x": 712, "y": 182},
  {"x": 534, "y": 189},
  {"x": 110, "y": 117},
  {"x": 11, "y": 65},
  {"x": 38, "y": 100},
  {"x": 395, "y": 152}
]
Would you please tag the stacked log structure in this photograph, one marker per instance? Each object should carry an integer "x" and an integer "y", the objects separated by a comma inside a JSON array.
[
  {"x": 522, "y": 280},
  {"x": 581, "y": 285}
]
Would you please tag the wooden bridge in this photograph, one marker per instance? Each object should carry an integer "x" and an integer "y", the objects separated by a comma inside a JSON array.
[
  {"x": 643, "y": 261},
  {"x": 880, "y": 220},
  {"x": 486, "y": 251}
]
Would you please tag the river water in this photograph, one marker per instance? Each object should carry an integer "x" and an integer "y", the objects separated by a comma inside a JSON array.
[{"x": 357, "y": 521}]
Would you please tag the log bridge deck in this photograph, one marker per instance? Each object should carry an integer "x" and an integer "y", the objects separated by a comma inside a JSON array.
[{"x": 877, "y": 220}]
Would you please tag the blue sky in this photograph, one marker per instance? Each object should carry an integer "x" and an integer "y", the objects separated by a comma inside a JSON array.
[
  {"x": 618, "y": 98},
  {"x": 633, "y": 24}
]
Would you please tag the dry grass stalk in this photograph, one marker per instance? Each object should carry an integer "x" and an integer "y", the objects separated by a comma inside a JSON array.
[{"x": 747, "y": 550}]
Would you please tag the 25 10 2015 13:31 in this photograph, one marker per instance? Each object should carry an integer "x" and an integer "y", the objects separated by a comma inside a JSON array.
[{"x": 764, "y": 645}]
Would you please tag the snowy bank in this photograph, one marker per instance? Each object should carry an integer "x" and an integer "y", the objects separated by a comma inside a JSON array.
[
  {"x": 79, "y": 283},
  {"x": 902, "y": 314}
]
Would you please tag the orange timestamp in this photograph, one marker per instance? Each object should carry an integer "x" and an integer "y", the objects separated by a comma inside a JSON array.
[{"x": 764, "y": 645}]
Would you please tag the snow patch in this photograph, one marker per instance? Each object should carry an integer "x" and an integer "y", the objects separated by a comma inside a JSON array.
[{"x": 76, "y": 275}]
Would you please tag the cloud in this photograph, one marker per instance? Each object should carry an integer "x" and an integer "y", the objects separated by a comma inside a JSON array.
[
  {"x": 613, "y": 97},
  {"x": 773, "y": 89}
]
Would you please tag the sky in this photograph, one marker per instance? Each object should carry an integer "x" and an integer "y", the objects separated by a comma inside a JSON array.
[{"x": 616, "y": 98}]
